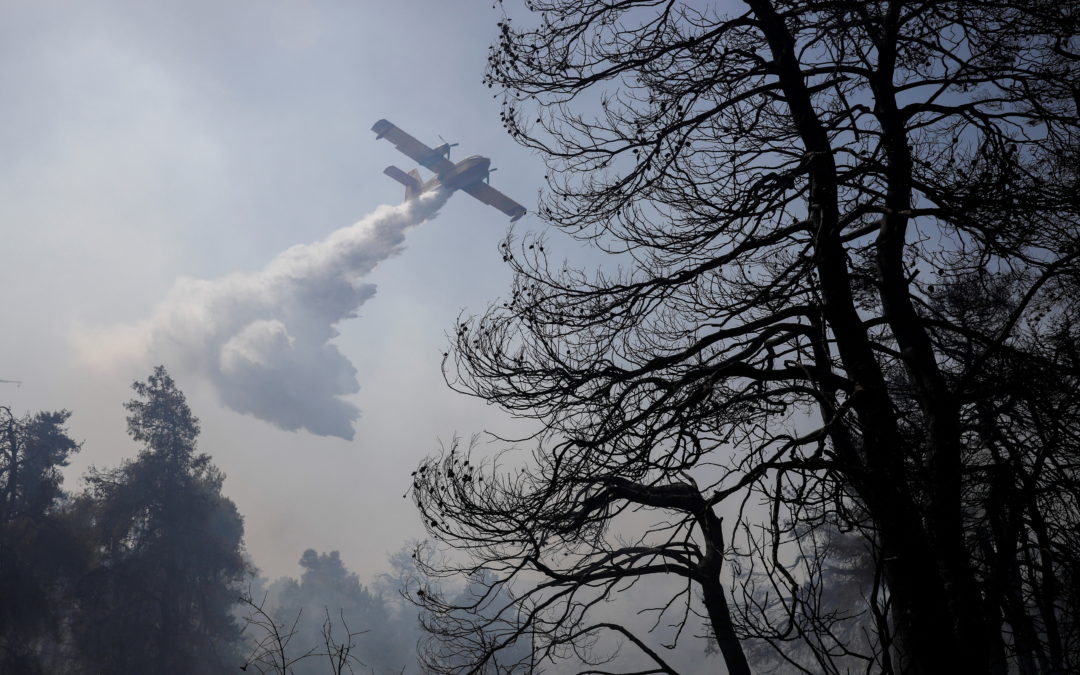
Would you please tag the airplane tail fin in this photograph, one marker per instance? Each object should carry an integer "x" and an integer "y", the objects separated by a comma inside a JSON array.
[
  {"x": 410, "y": 180},
  {"x": 414, "y": 190}
]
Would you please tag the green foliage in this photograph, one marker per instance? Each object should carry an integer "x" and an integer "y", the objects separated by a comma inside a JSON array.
[
  {"x": 169, "y": 548},
  {"x": 161, "y": 418},
  {"x": 39, "y": 549}
]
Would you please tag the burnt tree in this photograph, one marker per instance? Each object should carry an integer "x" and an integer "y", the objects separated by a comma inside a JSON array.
[{"x": 845, "y": 247}]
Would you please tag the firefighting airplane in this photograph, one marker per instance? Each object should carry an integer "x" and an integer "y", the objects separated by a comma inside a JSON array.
[{"x": 470, "y": 174}]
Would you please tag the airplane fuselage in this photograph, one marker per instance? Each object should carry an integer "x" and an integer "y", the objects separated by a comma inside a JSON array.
[{"x": 467, "y": 172}]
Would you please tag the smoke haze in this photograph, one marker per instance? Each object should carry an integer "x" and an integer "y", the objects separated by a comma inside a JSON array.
[{"x": 263, "y": 339}]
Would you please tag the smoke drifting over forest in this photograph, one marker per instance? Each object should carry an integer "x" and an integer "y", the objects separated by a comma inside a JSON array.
[{"x": 264, "y": 338}]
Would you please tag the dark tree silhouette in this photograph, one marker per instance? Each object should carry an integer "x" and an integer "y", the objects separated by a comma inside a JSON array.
[
  {"x": 847, "y": 245},
  {"x": 40, "y": 553},
  {"x": 169, "y": 549}
]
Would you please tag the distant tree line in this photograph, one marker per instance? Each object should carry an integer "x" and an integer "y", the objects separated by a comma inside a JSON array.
[
  {"x": 328, "y": 622},
  {"x": 145, "y": 571}
]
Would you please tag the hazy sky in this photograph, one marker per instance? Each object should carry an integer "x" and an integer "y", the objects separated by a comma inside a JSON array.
[{"x": 149, "y": 148}]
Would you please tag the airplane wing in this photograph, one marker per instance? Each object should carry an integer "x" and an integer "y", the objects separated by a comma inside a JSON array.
[
  {"x": 493, "y": 197},
  {"x": 419, "y": 152}
]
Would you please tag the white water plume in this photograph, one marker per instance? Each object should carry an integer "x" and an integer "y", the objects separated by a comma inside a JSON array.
[{"x": 264, "y": 338}]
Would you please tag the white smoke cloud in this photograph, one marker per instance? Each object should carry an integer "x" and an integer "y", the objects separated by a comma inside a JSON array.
[{"x": 263, "y": 338}]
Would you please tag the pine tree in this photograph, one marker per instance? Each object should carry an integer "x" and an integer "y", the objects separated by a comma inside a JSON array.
[{"x": 170, "y": 547}]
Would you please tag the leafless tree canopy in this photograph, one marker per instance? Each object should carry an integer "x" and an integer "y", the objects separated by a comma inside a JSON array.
[{"x": 845, "y": 241}]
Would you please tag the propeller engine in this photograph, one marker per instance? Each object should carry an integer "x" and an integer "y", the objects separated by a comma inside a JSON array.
[{"x": 444, "y": 149}]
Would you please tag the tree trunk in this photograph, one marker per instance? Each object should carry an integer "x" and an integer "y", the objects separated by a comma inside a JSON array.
[{"x": 720, "y": 617}]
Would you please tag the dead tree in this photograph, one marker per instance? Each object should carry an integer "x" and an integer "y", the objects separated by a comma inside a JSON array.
[
  {"x": 845, "y": 243},
  {"x": 269, "y": 643}
]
